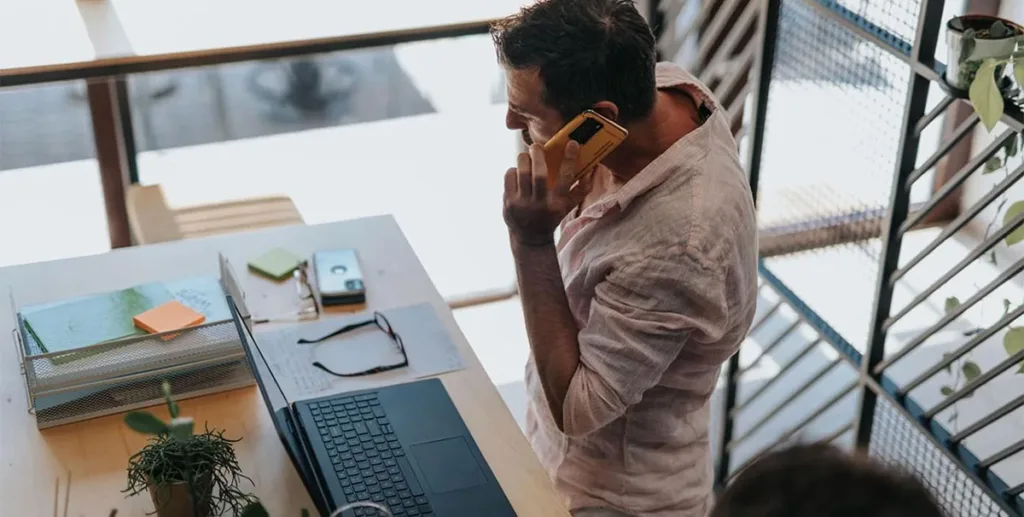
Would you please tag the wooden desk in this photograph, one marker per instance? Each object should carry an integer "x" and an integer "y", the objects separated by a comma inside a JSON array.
[
  {"x": 100, "y": 38},
  {"x": 96, "y": 451}
]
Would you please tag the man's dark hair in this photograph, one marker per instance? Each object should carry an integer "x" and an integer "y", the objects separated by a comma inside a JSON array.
[
  {"x": 586, "y": 51},
  {"x": 822, "y": 480}
]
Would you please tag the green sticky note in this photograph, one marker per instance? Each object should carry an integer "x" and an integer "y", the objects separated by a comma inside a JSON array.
[{"x": 276, "y": 263}]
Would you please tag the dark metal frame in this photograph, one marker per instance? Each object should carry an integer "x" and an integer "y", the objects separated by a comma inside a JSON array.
[
  {"x": 872, "y": 382},
  {"x": 929, "y": 22}
]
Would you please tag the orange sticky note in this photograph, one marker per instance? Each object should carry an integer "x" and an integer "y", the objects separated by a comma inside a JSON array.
[{"x": 170, "y": 316}]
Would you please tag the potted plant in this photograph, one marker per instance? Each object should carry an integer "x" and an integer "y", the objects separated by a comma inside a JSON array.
[
  {"x": 973, "y": 38},
  {"x": 978, "y": 49},
  {"x": 187, "y": 474}
]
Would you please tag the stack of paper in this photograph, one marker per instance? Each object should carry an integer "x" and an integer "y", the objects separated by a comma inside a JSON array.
[{"x": 82, "y": 322}]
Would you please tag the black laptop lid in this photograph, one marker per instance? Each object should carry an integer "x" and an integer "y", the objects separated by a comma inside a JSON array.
[{"x": 280, "y": 409}]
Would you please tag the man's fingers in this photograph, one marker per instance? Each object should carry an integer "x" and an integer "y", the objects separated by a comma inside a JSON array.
[
  {"x": 540, "y": 186},
  {"x": 524, "y": 175},
  {"x": 511, "y": 187},
  {"x": 540, "y": 167},
  {"x": 567, "y": 170},
  {"x": 569, "y": 159}
]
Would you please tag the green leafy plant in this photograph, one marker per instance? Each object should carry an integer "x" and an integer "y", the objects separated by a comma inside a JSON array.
[
  {"x": 175, "y": 456},
  {"x": 984, "y": 69},
  {"x": 985, "y": 73},
  {"x": 965, "y": 370}
]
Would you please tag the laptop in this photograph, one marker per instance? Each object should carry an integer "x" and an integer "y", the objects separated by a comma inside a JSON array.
[{"x": 404, "y": 447}]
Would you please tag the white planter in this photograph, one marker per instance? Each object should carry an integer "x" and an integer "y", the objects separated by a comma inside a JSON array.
[{"x": 960, "y": 68}]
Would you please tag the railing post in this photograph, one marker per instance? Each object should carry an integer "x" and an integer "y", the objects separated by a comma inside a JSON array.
[
  {"x": 768, "y": 25},
  {"x": 929, "y": 24},
  {"x": 115, "y": 152}
]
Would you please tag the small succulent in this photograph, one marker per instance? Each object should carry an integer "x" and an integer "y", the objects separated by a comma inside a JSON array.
[
  {"x": 205, "y": 462},
  {"x": 144, "y": 422}
]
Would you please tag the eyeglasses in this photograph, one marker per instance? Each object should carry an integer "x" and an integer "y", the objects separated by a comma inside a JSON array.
[
  {"x": 309, "y": 307},
  {"x": 385, "y": 326},
  {"x": 306, "y": 294}
]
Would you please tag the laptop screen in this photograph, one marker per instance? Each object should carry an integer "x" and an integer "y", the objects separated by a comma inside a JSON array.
[
  {"x": 273, "y": 395},
  {"x": 279, "y": 407}
]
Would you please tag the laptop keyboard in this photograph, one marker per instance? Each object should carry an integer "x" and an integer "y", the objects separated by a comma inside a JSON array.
[{"x": 367, "y": 457}]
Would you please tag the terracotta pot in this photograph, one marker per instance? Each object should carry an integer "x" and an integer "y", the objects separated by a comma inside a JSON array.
[
  {"x": 175, "y": 499},
  {"x": 962, "y": 67}
]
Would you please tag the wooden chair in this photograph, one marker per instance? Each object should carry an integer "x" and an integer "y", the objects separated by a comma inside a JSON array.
[{"x": 152, "y": 220}]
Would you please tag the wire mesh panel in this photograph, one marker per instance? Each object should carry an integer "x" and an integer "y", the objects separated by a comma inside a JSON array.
[
  {"x": 895, "y": 441},
  {"x": 797, "y": 384},
  {"x": 146, "y": 391},
  {"x": 792, "y": 385},
  {"x": 833, "y": 126},
  {"x": 955, "y": 334},
  {"x": 896, "y": 19},
  {"x": 831, "y": 140},
  {"x": 833, "y": 136}
]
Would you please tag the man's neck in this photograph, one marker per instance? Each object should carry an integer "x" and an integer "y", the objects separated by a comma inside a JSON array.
[{"x": 675, "y": 115}]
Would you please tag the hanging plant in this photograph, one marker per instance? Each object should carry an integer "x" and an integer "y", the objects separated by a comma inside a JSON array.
[{"x": 980, "y": 49}]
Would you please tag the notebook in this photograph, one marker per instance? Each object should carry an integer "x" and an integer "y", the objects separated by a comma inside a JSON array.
[
  {"x": 78, "y": 323},
  {"x": 203, "y": 294}
]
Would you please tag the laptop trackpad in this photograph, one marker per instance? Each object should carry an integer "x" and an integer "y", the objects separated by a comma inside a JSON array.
[{"x": 447, "y": 465}]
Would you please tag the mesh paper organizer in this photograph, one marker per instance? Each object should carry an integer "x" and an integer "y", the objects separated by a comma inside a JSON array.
[{"x": 127, "y": 373}]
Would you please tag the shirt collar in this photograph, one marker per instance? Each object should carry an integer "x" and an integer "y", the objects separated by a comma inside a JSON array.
[{"x": 688, "y": 149}]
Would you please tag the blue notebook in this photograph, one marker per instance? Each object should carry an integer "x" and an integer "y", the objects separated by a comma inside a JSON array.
[
  {"x": 74, "y": 324},
  {"x": 71, "y": 324}
]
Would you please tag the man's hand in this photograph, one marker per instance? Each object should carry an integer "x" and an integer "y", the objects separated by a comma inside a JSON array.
[{"x": 532, "y": 211}]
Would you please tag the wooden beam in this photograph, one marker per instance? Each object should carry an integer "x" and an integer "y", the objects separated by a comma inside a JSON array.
[{"x": 111, "y": 155}]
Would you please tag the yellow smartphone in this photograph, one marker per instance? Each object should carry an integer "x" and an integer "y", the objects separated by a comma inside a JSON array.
[{"x": 597, "y": 137}]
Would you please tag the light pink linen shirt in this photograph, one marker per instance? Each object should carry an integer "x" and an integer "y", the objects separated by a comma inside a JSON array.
[{"x": 661, "y": 277}]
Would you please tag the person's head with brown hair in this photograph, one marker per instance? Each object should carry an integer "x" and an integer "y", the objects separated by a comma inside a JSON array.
[
  {"x": 565, "y": 56},
  {"x": 823, "y": 481}
]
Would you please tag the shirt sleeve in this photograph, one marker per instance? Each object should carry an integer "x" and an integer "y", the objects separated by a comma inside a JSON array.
[{"x": 641, "y": 317}]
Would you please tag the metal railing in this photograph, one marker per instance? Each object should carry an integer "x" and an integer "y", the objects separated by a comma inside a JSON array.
[{"x": 866, "y": 392}]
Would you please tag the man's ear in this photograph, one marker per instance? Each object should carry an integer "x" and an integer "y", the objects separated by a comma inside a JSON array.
[{"x": 607, "y": 109}]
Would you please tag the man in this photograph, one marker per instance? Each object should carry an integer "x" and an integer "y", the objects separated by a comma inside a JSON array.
[
  {"x": 652, "y": 283},
  {"x": 819, "y": 480}
]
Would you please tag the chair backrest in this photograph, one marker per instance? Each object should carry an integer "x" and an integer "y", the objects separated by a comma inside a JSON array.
[{"x": 152, "y": 220}]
